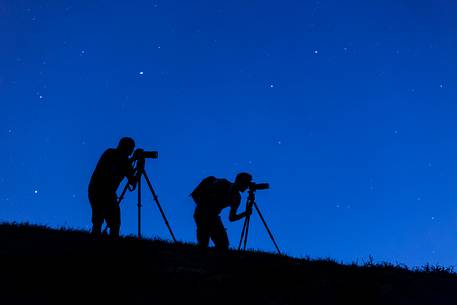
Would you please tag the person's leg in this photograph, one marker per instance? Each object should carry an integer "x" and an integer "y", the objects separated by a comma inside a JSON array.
[
  {"x": 114, "y": 220},
  {"x": 113, "y": 216},
  {"x": 219, "y": 234},
  {"x": 97, "y": 216},
  {"x": 202, "y": 231}
]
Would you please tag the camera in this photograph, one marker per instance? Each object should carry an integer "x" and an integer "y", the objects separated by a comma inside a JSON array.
[
  {"x": 140, "y": 154},
  {"x": 258, "y": 186}
]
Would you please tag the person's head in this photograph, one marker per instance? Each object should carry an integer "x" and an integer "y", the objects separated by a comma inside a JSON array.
[
  {"x": 242, "y": 181},
  {"x": 126, "y": 146}
]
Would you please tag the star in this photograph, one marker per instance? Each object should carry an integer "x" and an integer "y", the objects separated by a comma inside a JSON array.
[
  {"x": 35, "y": 192},
  {"x": 316, "y": 51}
]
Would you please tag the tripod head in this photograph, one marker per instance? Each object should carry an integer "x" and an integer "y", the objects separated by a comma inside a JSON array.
[{"x": 251, "y": 198}]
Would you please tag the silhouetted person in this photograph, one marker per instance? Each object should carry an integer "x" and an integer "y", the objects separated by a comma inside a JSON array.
[
  {"x": 114, "y": 165},
  {"x": 211, "y": 196}
]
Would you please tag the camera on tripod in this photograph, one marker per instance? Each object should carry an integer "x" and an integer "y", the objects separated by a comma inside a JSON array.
[
  {"x": 141, "y": 154},
  {"x": 250, "y": 203},
  {"x": 258, "y": 186},
  {"x": 138, "y": 160}
]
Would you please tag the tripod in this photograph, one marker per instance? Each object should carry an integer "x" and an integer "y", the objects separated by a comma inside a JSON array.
[
  {"x": 141, "y": 172},
  {"x": 244, "y": 233}
]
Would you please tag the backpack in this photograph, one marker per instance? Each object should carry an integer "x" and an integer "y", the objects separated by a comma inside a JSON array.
[{"x": 198, "y": 192}]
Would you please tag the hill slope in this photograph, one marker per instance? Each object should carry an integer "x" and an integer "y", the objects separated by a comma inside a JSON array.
[{"x": 43, "y": 266}]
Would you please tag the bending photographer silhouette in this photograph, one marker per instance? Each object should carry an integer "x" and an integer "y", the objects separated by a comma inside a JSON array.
[
  {"x": 113, "y": 166},
  {"x": 211, "y": 196}
]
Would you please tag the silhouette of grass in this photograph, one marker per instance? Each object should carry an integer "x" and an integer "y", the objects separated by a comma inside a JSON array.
[{"x": 40, "y": 265}]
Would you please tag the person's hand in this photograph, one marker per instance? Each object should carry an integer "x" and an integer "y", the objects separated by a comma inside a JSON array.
[
  {"x": 137, "y": 153},
  {"x": 133, "y": 180}
]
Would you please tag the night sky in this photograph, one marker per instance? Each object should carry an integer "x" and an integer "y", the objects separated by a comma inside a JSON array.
[{"x": 347, "y": 108}]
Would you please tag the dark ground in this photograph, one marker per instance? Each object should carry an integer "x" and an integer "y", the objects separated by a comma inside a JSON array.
[{"x": 44, "y": 266}]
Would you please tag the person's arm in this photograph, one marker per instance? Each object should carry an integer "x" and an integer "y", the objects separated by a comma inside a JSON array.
[
  {"x": 131, "y": 173},
  {"x": 235, "y": 204}
]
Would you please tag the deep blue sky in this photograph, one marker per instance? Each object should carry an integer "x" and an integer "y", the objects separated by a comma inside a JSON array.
[{"x": 348, "y": 109}]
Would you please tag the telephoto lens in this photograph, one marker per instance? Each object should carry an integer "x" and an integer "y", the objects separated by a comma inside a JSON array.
[
  {"x": 142, "y": 154},
  {"x": 259, "y": 186},
  {"x": 150, "y": 154}
]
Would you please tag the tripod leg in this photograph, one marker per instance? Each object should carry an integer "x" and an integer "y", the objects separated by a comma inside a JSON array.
[
  {"x": 266, "y": 227},
  {"x": 248, "y": 220},
  {"x": 242, "y": 233},
  {"x": 139, "y": 208},
  {"x": 122, "y": 194},
  {"x": 156, "y": 199}
]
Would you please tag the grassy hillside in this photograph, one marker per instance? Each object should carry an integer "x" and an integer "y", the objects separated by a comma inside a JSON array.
[{"x": 44, "y": 266}]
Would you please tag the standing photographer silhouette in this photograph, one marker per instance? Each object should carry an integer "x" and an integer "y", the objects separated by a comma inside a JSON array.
[
  {"x": 211, "y": 196},
  {"x": 114, "y": 165}
]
